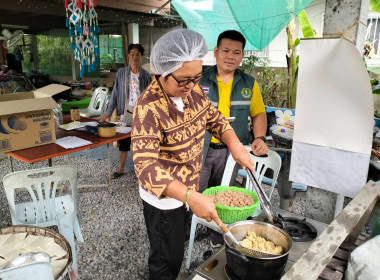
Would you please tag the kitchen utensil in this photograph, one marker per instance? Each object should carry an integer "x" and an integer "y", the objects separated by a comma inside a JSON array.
[
  {"x": 229, "y": 214},
  {"x": 229, "y": 234},
  {"x": 249, "y": 267},
  {"x": 264, "y": 201},
  {"x": 21, "y": 239},
  {"x": 106, "y": 129},
  {"x": 246, "y": 251},
  {"x": 26, "y": 258}
]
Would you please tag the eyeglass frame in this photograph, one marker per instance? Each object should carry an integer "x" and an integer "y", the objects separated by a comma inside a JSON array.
[{"x": 187, "y": 81}]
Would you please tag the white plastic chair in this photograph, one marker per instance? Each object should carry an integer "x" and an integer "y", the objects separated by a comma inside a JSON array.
[
  {"x": 97, "y": 104},
  {"x": 30, "y": 271},
  {"x": 273, "y": 162},
  {"x": 46, "y": 207}
]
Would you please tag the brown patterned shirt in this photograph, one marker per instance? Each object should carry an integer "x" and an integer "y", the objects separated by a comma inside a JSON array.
[{"x": 167, "y": 144}]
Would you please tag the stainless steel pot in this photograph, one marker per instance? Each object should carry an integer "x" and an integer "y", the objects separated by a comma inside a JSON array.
[{"x": 245, "y": 267}]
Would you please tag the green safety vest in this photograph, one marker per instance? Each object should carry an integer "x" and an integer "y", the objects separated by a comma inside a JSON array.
[{"x": 241, "y": 95}]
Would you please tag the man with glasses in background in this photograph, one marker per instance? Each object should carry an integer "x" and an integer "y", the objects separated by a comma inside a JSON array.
[
  {"x": 169, "y": 123},
  {"x": 237, "y": 95}
]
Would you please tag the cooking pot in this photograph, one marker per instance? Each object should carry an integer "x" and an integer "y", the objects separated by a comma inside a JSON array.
[
  {"x": 245, "y": 267},
  {"x": 106, "y": 129}
]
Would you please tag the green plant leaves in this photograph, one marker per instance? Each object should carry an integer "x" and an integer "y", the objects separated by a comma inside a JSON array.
[
  {"x": 107, "y": 58},
  {"x": 376, "y": 89},
  {"x": 307, "y": 28},
  {"x": 374, "y": 5}
]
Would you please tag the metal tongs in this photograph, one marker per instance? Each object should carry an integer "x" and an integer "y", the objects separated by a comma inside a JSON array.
[
  {"x": 265, "y": 203},
  {"x": 267, "y": 207}
]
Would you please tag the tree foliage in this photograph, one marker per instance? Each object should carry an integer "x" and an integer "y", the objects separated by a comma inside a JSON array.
[
  {"x": 268, "y": 79},
  {"x": 292, "y": 58},
  {"x": 54, "y": 55},
  {"x": 374, "y": 5}
]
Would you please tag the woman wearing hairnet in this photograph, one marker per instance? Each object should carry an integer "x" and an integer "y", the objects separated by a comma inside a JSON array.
[{"x": 169, "y": 123}]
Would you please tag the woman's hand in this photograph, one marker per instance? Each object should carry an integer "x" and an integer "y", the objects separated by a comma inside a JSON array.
[
  {"x": 204, "y": 207},
  {"x": 103, "y": 118}
]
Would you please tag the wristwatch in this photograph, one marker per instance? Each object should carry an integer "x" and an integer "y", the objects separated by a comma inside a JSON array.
[{"x": 262, "y": 138}]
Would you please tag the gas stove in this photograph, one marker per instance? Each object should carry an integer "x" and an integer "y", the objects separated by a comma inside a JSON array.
[
  {"x": 302, "y": 230},
  {"x": 299, "y": 229}
]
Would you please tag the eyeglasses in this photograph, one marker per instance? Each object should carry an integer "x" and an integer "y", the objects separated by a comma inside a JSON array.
[{"x": 183, "y": 83}]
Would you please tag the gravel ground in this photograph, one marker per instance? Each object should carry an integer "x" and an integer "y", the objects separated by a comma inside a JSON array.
[{"x": 115, "y": 239}]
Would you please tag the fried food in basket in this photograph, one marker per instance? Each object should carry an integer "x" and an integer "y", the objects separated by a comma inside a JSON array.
[
  {"x": 233, "y": 199},
  {"x": 258, "y": 243}
]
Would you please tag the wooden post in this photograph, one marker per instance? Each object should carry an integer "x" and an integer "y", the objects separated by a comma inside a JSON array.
[
  {"x": 124, "y": 45},
  {"x": 34, "y": 49},
  {"x": 318, "y": 255},
  {"x": 2, "y": 53}
]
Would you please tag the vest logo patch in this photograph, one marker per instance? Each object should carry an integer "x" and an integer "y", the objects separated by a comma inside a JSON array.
[
  {"x": 246, "y": 93},
  {"x": 205, "y": 89}
]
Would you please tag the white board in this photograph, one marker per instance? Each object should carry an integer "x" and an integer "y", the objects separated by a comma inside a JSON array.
[{"x": 334, "y": 117}]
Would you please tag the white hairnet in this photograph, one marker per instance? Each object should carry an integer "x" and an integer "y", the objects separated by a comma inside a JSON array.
[{"x": 174, "y": 48}]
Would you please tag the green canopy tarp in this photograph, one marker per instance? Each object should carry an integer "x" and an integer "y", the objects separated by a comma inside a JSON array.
[{"x": 260, "y": 21}]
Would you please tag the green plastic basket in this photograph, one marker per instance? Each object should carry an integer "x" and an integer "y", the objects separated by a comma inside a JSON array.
[
  {"x": 229, "y": 215},
  {"x": 81, "y": 104}
]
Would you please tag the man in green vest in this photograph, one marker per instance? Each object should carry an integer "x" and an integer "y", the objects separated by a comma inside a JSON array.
[{"x": 237, "y": 95}]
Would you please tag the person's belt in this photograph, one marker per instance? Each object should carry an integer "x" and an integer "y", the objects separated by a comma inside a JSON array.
[{"x": 218, "y": 145}]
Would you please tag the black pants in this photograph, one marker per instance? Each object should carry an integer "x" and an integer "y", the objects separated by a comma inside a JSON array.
[
  {"x": 213, "y": 168},
  {"x": 125, "y": 144},
  {"x": 166, "y": 233}
]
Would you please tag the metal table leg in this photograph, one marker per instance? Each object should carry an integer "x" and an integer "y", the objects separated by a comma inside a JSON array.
[
  {"x": 10, "y": 163},
  {"x": 109, "y": 168}
]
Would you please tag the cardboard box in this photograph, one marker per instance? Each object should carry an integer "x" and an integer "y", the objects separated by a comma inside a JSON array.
[{"x": 27, "y": 119}]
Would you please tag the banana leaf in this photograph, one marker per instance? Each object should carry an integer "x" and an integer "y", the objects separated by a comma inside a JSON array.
[{"x": 307, "y": 28}]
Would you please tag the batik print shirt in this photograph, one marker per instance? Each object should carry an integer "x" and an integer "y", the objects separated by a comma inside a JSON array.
[{"x": 167, "y": 144}]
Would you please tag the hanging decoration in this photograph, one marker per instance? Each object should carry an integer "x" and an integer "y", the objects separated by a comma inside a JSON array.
[{"x": 82, "y": 22}]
